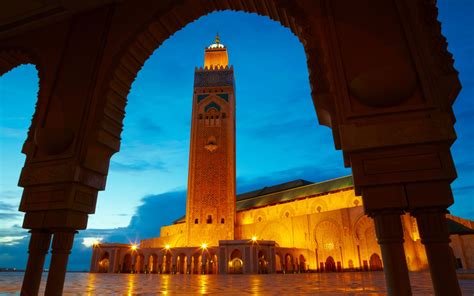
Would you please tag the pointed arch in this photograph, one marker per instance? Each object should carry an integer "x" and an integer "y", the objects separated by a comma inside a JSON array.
[{"x": 152, "y": 34}]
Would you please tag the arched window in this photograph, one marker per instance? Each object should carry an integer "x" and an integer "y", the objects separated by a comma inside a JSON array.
[
  {"x": 222, "y": 220},
  {"x": 196, "y": 221},
  {"x": 209, "y": 219}
]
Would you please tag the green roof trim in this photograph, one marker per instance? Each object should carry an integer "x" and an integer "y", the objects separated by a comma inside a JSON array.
[
  {"x": 289, "y": 191},
  {"x": 212, "y": 105},
  {"x": 286, "y": 192},
  {"x": 224, "y": 96},
  {"x": 201, "y": 97},
  {"x": 458, "y": 228}
]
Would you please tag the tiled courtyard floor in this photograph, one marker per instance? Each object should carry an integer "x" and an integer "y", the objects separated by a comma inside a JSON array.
[{"x": 276, "y": 284}]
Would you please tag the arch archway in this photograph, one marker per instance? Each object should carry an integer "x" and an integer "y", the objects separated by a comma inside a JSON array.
[
  {"x": 375, "y": 262},
  {"x": 236, "y": 264},
  {"x": 439, "y": 89},
  {"x": 127, "y": 263},
  {"x": 139, "y": 263},
  {"x": 152, "y": 265},
  {"x": 104, "y": 262},
  {"x": 181, "y": 264},
  {"x": 302, "y": 263},
  {"x": 262, "y": 261},
  {"x": 278, "y": 263},
  {"x": 330, "y": 265},
  {"x": 289, "y": 263}
]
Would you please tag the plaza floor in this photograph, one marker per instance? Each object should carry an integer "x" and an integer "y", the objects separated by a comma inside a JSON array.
[{"x": 349, "y": 283}]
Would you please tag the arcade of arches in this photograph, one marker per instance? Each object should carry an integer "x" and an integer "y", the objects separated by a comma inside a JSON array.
[
  {"x": 319, "y": 227},
  {"x": 384, "y": 85}
]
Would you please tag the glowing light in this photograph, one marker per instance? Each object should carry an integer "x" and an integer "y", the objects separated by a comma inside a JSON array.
[
  {"x": 329, "y": 246},
  {"x": 134, "y": 247},
  {"x": 254, "y": 238},
  {"x": 167, "y": 246},
  {"x": 91, "y": 241},
  {"x": 204, "y": 246}
]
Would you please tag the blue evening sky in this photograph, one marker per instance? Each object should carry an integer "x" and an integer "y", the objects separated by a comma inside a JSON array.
[{"x": 278, "y": 137}]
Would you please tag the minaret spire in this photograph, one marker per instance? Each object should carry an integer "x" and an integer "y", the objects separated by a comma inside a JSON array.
[{"x": 215, "y": 55}]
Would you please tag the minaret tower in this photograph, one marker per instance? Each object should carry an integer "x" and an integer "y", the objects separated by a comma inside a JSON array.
[{"x": 210, "y": 208}]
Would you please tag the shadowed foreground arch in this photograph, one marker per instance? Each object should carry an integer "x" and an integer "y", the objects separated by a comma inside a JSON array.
[{"x": 385, "y": 86}]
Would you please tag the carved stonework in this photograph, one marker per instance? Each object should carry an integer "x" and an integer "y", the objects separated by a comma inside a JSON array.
[
  {"x": 438, "y": 45},
  {"x": 47, "y": 173}
]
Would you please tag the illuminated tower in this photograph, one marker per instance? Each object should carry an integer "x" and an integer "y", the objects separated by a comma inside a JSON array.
[{"x": 210, "y": 208}]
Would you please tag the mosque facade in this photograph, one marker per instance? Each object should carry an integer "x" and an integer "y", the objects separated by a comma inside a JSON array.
[{"x": 298, "y": 226}]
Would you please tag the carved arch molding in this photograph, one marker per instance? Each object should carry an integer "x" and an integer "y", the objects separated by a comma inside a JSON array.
[{"x": 134, "y": 54}]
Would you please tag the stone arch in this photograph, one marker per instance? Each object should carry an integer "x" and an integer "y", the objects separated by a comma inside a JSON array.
[
  {"x": 181, "y": 263},
  {"x": 302, "y": 263},
  {"x": 235, "y": 261},
  {"x": 139, "y": 263},
  {"x": 362, "y": 223},
  {"x": 277, "y": 232},
  {"x": 259, "y": 216},
  {"x": 365, "y": 237},
  {"x": 127, "y": 263},
  {"x": 152, "y": 34},
  {"x": 375, "y": 262},
  {"x": 289, "y": 262},
  {"x": 328, "y": 235},
  {"x": 262, "y": 261},
  {"x": 13, "y": 58},
  {"x": 330, "y": 264},
  {"x": 152, "y": 263},
  {"x": 103, "y": 262},
  {"x": 278, "y": 262}
]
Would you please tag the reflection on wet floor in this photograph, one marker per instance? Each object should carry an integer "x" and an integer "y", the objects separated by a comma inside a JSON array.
[{"x": 352, "y": 283}]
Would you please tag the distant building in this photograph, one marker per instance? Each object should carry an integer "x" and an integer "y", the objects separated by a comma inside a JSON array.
[{"x": 292, "y": 227}]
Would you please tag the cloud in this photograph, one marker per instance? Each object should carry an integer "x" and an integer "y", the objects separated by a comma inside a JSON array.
[
  {"x": 147, "y": 125},
  {"x": 136, "y": 166},
  {"x": 156, "y": 211},
  {"x": 7, "y": 207},
  {"x": 10, "y": 216},
  {"x": 15, "y": 133},
  {"x": 285, "y": 127},
  {"x": 10, "y": 194}
]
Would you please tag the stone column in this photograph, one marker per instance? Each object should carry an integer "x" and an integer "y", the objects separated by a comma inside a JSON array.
[
  {"x": 389, "y": 231},
  {"x": 204, "y": 263},
  {"x": 62, "y": 244},
  {"x": 38, "y": 248},
  {"x": 94, "y": 258},
  {"x": 435, "y": 236}
]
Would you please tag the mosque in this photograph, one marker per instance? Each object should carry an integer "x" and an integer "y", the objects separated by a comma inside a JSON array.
[{"x": 298, "y": 226}]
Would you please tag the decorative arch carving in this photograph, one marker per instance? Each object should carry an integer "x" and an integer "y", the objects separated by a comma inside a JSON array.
[
  {"x": 134, "y": 54},
  {"x": 328, "y": 234},
  {"x": 319, "y": 204},
  {"x": 12, "y": 58},
  {"x": 361, "y": 226},
  {"x": 287, "y": 212}
]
